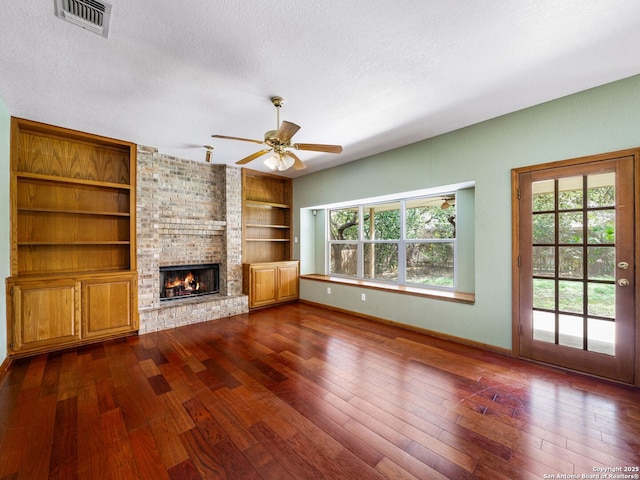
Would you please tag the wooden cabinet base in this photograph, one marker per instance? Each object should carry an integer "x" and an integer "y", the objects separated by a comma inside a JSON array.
[
  {"x": 270, "y": 283},
  {"x": 46, "y": 314}
]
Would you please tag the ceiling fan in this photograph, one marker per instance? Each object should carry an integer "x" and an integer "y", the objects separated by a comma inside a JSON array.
[{"x": 279, "y": 143}]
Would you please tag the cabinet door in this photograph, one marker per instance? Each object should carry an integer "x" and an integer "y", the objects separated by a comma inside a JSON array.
[
  {"x": 107, "y": 306},
  {"x": 287, "y": 282},
  {"x": 263, "y": 285},
  {"x": 45, "y": 314}
]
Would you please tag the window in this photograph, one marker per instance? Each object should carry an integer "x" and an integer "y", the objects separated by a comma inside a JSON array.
[{"x": 409, "y": 241}]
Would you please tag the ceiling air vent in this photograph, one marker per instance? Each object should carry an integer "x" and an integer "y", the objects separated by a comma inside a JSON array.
[{"x": 89, "y": 14}]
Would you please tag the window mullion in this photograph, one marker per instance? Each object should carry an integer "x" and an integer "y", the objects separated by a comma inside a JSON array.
[
  {"x": 402, "y": 253},
  {"x": 360, "y": 248}
]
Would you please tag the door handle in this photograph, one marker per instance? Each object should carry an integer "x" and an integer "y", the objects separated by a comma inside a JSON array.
[
  {"x": 623, "y": 265},
  {"x": 623, "y": 282}
]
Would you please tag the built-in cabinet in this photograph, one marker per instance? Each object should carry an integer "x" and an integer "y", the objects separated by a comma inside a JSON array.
[
  {"x": 73, "y": 269},
  {"x": 270, "y": 283},
  {"x": 269, "y": 274}
]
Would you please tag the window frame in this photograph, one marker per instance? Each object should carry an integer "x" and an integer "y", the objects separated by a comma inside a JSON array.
[{"x": 401, "y": 242}]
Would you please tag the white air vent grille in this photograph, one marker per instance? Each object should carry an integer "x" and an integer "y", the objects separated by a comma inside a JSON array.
[{"x": 89, "y": 14}]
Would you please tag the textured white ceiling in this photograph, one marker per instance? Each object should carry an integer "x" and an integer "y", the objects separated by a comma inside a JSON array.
[{"x": 371, "y": 75}]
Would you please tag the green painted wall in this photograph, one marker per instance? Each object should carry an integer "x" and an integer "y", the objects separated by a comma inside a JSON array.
[
  {"x": 5, "y": 126},
  {"x": 599, "y": 120}
]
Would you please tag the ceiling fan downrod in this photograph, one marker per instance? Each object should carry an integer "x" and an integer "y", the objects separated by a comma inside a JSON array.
[{"x": 277, "y": 102}]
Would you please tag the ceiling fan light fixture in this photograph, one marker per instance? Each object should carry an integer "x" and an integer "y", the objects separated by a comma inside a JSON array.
[
  {"x": 272, "y": 162},
  {"x": 279, "y": 161},
  {"x": 209, "y": 154},
  {"x": 286, "y": 162}
]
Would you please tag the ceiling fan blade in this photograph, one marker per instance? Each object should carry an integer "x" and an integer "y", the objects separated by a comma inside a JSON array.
[
  {"x": 318, "y": 147},
  {"x": 237, "y": 138},
  {"x": 297, "y": 163},
  {"x": 286, "y": 131},
  {"x": 253, "y": 156}
]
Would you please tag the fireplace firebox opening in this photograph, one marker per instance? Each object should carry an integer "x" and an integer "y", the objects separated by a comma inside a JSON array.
[{"x": 185, "y": 281}]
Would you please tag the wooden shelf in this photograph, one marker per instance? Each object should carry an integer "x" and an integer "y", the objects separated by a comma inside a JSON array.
[
  {"x": 72, "y": 181},
  {"x": 257, "y": 225},
  {"x": 97, "y": 242},
  {"x": 267, "y": 239},
  {"x": 74, "y": 212},
  {"x": 261, "y": 204}
]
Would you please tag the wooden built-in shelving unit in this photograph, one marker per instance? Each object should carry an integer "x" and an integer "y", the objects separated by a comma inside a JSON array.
[
  {"x": 268, "y": 277},
  {"x": 72, "y": 226}
]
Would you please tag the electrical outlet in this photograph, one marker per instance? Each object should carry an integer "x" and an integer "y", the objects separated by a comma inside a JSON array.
[
  {"x": 328, "y": 290},
  {"x": 363, "y": 297}
]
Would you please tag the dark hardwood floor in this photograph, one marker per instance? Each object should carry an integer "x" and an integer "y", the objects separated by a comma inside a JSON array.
[{"x": 299, "y": 392}]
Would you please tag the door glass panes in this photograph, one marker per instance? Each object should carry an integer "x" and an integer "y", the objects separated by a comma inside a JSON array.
[
  {"x": 544, "y": 294},
  {"x": 544, "y": 261},
  {"x": 601, "y": 336},
  {"x": 543, "y": 196},
  {"x": 430, "y": 263},
  {"x": 601, "y": 263},
  {"x": 601, "y": 190},
  {"x": 602, "y": 298},
  {"x": 543, "y": 228},
  {"x": 381, "y": 222},
  {"x": 381, "y": 261},
  {"x": 571, "y": 331},
  {"x": 570, "y": 296},
  {"x": 571, "y": 263},
  {"x": 570, "y": 193},
  {"x": 344, "y": 259},
  {"x": 570, "y": 227},
  {"x": 544, "y": 326},
  {"x": 574, "y": 263},
  {"x": 601, "y": 228},
  {"x": 343, "y": 224}
]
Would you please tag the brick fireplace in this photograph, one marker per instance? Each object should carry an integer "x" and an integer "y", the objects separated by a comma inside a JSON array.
[{"x": 187, "y": 213}]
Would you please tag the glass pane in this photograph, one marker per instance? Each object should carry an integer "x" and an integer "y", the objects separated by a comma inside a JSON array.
[
  {"x": 381, "y": 261},
  {"x": 543, "y": 228},
  {"x": 344, "y": 259},
  {"x": 601, "y": 263},
  {"x": 570, "y": 193},
  {"x": 430, "y": 263},
  {"x": 544, "y": 261},
  {"x": 544, "y": 294},
  {"x": 343, "y": 224},
  {"x": 431, "y": 217},
  {"x": 571, "y": 296},
  {"x": 601, "y": 299},
  {"x": 381, "y": 222},
  {"x": 543, "y": 196},
  {"x": 570, "y": 227},
  {"x": 602, "y": 226},
  {"x": 544, "y": 326},
  {"x": 571, "y": 262},
  {"x": 571, "y": 331},
  {"x": 601, "y": 336},
  {"x": 602, "y": 190}
]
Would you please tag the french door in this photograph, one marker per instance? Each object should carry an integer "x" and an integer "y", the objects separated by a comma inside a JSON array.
[{"x": 574, "y": 265}]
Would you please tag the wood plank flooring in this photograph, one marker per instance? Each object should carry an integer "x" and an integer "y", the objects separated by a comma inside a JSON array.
[{"x": 299, "y": 392}]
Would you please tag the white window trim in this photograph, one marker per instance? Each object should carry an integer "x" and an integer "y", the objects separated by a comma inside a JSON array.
[{"x": 402, "y": 199}]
